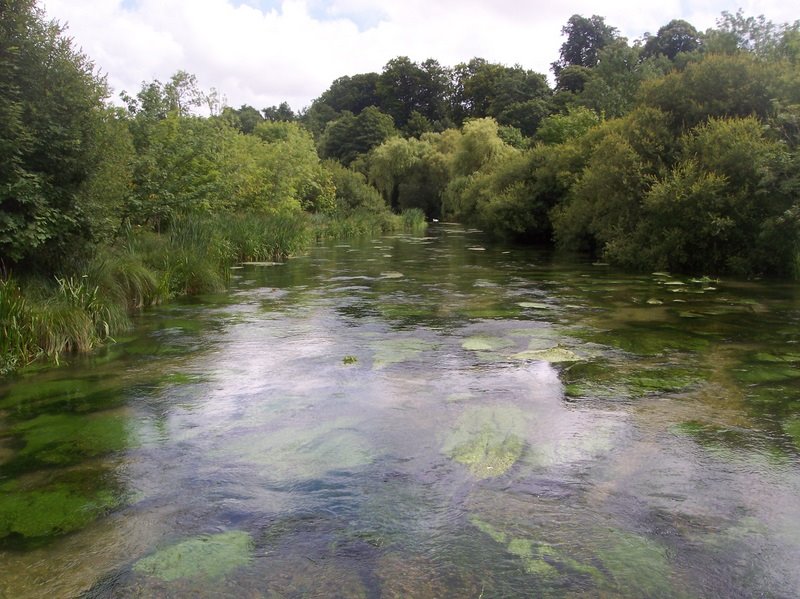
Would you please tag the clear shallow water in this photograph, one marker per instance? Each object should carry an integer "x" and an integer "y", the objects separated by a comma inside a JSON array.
[{"x": 418, "y": 417}]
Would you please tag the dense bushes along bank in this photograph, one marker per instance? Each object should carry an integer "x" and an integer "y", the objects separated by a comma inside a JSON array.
[{"x": 76, "y": 311}]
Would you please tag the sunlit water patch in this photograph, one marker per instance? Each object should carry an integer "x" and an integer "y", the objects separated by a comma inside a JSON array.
[{"x": 417, "y": 416}]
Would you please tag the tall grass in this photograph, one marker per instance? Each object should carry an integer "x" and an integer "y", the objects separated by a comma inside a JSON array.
[
  {"x": 359, "y": 223},
  {"x": 196, "y": 258},
  {"x": 414, "y": 220},
  {"x": 17, "y": 347},
  {"x": 77, "y": 311},
  {"x": 259, "y": 237}
]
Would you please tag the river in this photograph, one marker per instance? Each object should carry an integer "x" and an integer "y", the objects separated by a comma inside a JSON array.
[{"x": 417, "y": 416}]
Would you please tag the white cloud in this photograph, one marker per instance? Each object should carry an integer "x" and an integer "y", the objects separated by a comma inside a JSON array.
[{"x": 262, "y": 52}]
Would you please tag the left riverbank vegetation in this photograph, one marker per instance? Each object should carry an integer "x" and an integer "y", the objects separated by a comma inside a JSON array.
[{"x": 676, "y": 151}]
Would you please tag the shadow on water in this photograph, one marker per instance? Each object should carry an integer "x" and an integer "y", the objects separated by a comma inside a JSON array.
[{"x": 417, "y": 416}]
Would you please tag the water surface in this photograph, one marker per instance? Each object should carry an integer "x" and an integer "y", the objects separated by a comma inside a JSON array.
[{"x": 418, "y": 417}]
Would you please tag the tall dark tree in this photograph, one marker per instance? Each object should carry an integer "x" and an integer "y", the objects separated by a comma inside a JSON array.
[
  {"x": 353, "y": 93},
  {"x": 512, "y": 95},
  {"x": 674, "y": 37},
  {"x": 244, "y": 118},
  {"x": 281, "y": 113},
  {"x": 349, "y": 135},
  {"x": 405, "y": 87},
  {"x": 585, "y": 38}
]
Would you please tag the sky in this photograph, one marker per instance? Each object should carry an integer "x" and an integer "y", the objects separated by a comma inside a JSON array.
[{"x": 264, "y": 52}]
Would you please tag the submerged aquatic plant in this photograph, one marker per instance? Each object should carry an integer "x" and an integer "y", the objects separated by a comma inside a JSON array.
[
  {"x": 555, "y": 355},
  {"x": 394, "y": 351},
  {"x": 487, "y": 440},
  {"x": 66, "y": 438},
  {"x": 792, "y": 428},
  {"x": 538, "y": 558},
  {"x": 209, "y": 556},
  {"x": 53, "y": 510}
]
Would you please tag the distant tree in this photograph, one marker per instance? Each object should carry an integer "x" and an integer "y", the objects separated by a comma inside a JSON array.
[
  {"x": 282, "y": 112},
  {"x": 757, "y": 35},
  {"x": 573, "y": 78},
  {"x": 612, "y": 88},
  {"x": 585, "y": 38},
  {"x": 244, "y": 118},
  {"x": 718, "y": 86},
  {"x": 674, "y": 37},
  {"x": 349, "y": 135},
  {"x": 405, "y": 87},
  {"x": 512, "y": 95},
  {"x": 182, "y": 93},
  {"x": 351, "y": 93}
]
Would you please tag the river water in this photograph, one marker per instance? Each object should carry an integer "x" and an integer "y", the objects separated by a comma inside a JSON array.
[{"x": 417, "y": 417}]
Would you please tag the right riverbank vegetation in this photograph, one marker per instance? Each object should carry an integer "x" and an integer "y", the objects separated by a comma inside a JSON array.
[{"x": 678, "y": 151}]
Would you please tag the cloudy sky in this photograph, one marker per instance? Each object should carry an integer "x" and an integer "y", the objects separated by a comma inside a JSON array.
[{"x": 262, "y": 52}]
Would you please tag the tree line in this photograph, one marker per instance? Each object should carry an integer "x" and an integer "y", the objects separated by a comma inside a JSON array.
[{"x": 677, "y": 151}]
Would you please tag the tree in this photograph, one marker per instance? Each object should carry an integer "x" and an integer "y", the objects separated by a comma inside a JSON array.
[
  {"x": 405, "y": 87},
  {"x": 559, "y": 128},
  {"x": 282, "y": 112},
  {"x": 52, "y": 127},
  {"x": 718, "y": 86},
  {"x": 349, "y": 135},
  {"x": 674, "y": 37},
  {"x": 410, "y": 173},
  {"x": 585, "y": 39},
  {"x": 511, "y": 95},
  {"x": 244, "y": 119},
  {"x": 723, "y": 208},
  {"x": 353, "y": 94},
  {"x": 757, "y": 35}
]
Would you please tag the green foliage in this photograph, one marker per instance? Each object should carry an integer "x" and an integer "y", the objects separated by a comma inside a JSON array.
[
  {"x": 256, "y": 237},
  {"x": 352, "y": 190},
  {"x": 413, "y": 219},
  {"x": 603, "y": 205},
  {"x": 559, "y": 128},
  {"x": 410, "y": 173},
  {"x": 290, "y": 171},
  {"x": 718, "y": 86},
  {"x": 405, "y": 87},
  {"x": 720, "y": 206},
  {"x": 358, "y": 223},
  {"x": 16, "y": 341},
  {"x": 54, "y": 139},
  {"x": 245, "y": 119},
  {"x": 586, "y": 37},
  {"x": 512, "y": 95},
  {"x": 348, "y": 136},
  {"x": 480, "y": 146},
  {"x": 754, "y": 35},
  {"x": 673, "y": 38}
]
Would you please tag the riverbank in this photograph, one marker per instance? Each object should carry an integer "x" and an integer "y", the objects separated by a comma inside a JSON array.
[{"x": 90, "y": 302}]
